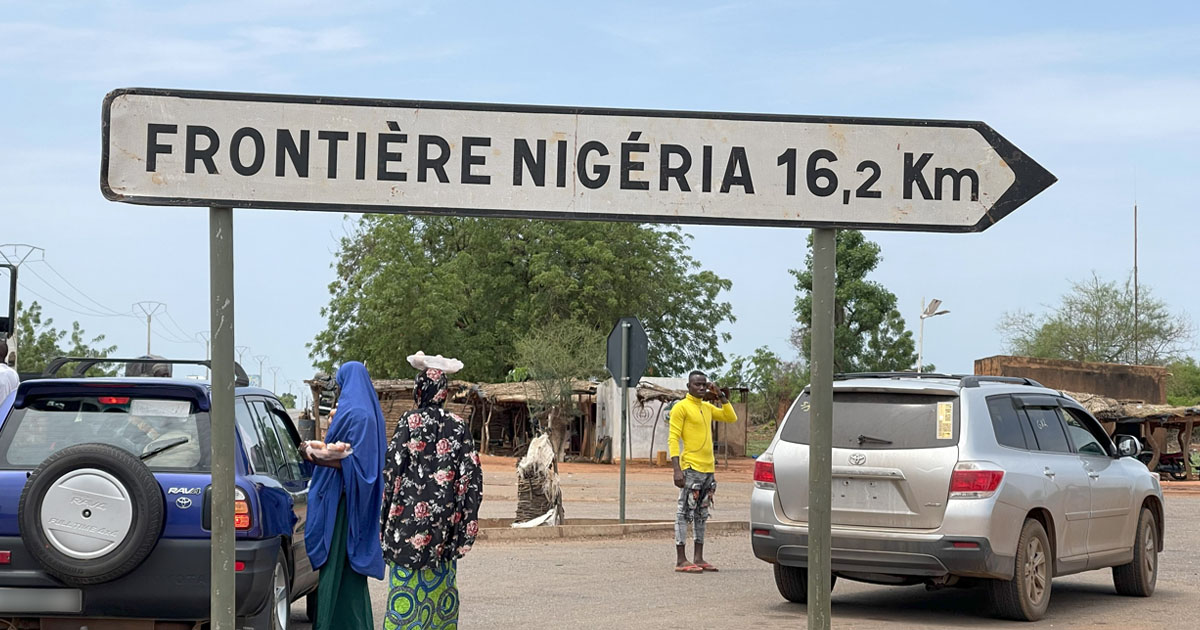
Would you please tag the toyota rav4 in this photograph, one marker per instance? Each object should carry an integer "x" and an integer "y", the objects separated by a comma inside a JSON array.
[{"x": 105, "y": 504}]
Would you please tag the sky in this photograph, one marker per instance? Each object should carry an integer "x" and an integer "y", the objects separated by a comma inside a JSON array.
[{"x": 1102, "y": 94}]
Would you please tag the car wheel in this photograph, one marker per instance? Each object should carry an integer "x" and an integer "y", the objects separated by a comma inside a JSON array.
[
  {"x": 280, "y": 602},
  {"x": 792, "y": 583},
  {"x": 1027, "y": 595},
  {"x": 1138, "y": 578},
  {"x": 90, "y": 513}
]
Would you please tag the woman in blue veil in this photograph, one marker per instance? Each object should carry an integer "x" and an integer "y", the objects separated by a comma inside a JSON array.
[{"x": 344, "y": 498}]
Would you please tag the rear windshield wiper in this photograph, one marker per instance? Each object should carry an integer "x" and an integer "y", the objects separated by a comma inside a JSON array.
[
  {"x": 168, "y": 445},
  {"x": 863, "y": 439}
]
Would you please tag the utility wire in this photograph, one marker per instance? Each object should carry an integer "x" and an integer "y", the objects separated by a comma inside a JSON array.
[
  {"x": 30, "y": 269},
  {"x": 78, "y": 290}
]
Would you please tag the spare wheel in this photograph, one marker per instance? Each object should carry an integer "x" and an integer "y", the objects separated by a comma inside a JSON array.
[{"x": 90, "y": 513}]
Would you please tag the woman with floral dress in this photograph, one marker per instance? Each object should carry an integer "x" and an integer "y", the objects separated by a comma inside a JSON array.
[{"x": 433, "y": 486}]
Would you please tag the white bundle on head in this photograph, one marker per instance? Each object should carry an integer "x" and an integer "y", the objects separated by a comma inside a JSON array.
[{"x": 422, "y": 361}]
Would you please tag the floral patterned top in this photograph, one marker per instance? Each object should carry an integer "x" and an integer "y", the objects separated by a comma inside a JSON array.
[{"x": 433, "y": 483}]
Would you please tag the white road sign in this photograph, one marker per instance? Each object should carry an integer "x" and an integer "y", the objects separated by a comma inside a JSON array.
[{"x": 165, "y": 147}]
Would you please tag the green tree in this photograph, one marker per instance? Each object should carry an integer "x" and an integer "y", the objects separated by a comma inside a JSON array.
[
  {"x": 39, "y": 342},
  {"x": 555, "y": 356},
  {"x": 869, "y": 332},
  {"x": 1183, "y": 386},
  {"x": 770, "y": 379},
  {"x": 288, "y": 399},
  {"x": 1095, "y": 322},
  {"x": 473, "y": 287}
]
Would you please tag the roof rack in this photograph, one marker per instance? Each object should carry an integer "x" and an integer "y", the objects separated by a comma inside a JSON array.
[
  {"x": 975, "y": 379},
  {"x": 87, "y": 363},
  {"x": 964, "y": 380},
  {"x": 841, "y": 376}
]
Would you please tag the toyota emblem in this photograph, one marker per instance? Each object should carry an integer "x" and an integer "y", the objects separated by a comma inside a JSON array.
[
  {"x": 183, "y": 503},
  {"x": 858, "y": 459}
]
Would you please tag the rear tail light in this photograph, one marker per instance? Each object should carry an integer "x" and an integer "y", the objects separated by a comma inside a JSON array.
[
  {"x": 5, "y": 557},
  {"x": 239, "y": 566},
  {"x": 241, "y": 510},
  {"x": 975, "y": 480},
  {"x": 764, "y": 472},
  {"x": 113, "y": 400}
]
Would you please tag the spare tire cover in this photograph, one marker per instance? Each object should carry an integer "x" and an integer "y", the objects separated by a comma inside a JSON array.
[{"x": 90, "y": 513}]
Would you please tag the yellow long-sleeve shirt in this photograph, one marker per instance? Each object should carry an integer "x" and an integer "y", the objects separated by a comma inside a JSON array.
[{"x": 691, "y": 421}]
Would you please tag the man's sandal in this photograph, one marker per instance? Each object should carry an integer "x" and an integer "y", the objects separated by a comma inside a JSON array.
[
  {"x": 689, "y": 568},
  {"x": 704, "y": 566}
]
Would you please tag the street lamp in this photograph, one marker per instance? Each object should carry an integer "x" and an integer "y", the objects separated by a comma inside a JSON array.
[{"x": 927, "y": 311}]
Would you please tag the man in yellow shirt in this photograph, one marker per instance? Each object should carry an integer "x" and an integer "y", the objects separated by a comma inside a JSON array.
[{"x": 691, "y": 423}]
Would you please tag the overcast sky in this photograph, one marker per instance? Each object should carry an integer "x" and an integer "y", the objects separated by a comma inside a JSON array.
[{"x": 1103, "y": 95}]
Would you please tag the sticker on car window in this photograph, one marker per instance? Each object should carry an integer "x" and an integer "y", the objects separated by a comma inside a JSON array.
[
  {"x": 945, "y": 421},
  {"x": 164, "y": 408}
]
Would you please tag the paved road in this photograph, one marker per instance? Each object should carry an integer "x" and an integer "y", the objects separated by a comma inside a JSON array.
[{"x": 629, "y": 584}]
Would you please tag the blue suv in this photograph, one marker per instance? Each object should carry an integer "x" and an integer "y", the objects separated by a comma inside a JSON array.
[{"x": 105, "y": 503}]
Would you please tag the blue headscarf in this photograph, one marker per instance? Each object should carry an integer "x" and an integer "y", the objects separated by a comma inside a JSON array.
[{"x": 358, "y": 422}]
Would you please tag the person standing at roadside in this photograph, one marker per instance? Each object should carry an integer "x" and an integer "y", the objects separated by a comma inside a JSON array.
[
  {"x": 433, "y": 486},
  {"x": 342, "y": 535},
  {"x": 691, "y": 424},
  {"x": 8, "y": 376}
]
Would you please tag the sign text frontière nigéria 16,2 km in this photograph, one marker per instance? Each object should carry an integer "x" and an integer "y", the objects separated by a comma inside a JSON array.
[{"x": 268, "y": 151}]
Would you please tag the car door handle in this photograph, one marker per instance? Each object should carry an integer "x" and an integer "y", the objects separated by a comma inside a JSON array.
[
  {"x": 1093, "y": 474},
  {"x": 1049, "y": 473}
]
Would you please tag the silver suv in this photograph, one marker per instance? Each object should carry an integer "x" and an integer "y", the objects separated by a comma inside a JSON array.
[{"x": 960, "y": 481}]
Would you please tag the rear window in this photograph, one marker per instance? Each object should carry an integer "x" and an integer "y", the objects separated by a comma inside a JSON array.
[
  {"x": 139, "y": 425},
  {"x": 881, "y": 420}
]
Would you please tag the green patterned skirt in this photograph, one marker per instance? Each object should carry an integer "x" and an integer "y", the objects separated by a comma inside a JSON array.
[{"x": 425, "y": 598}]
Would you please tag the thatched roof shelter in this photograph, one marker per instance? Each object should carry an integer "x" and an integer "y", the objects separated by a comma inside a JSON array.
[
  {"x": 1112, "y": 410},
  {"x": 525, "y": 391}
]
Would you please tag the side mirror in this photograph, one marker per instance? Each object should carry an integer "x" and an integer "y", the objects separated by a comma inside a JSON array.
[
  {"x": 8, "y": 318},
  {"x": 1128, "y": 446}
]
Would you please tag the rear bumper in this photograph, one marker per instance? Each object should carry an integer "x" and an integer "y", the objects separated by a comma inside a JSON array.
[
  {"x": 173, "y": 583},
  {"x": 920, "y": 555}
]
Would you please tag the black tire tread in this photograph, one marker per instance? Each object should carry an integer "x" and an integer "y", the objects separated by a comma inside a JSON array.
[
  {"x": 1128, "y": 578},
  {"x": 792, "y": 583},
  {"x": 1006, "y": 595}
]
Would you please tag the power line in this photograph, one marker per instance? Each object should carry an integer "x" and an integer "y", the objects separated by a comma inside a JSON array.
[
  {"x": 77, "y": 302},
  {"x": 65, "y": 308},
  {"x": 183, "y": 334},
  {"x": 78, "y": 290}
]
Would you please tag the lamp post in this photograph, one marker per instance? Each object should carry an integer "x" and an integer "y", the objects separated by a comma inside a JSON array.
[{"x": 927, "y": 311}]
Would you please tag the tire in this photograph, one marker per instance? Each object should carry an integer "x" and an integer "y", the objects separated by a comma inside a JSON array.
[
  {"x": 792, "y": 583},
  {"x": 1179, "y": 476},
  {"x": 72, "y": 525},
  {"x": 1027, "y": 595},
  {"x": 1138, "y": 578},
  {"x": 276, "y": 613}
]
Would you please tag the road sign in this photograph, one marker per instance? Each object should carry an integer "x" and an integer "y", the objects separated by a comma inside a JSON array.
[
  {"x": 226, "y": 150},
  {"x": 172, "y": 147},
  {"x": 638, "y": 351}
]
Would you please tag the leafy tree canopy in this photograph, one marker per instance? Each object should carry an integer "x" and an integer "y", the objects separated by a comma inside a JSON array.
[
  {"x": 38, "y": 342},
  {"x": 869, "y": 333},
  {"x": 471, "y": 287},
  {"x": 1095, "y": 322}
]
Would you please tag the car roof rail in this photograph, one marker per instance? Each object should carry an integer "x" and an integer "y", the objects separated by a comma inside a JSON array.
[
  {"x": 841, "y": 376},
  {"x": 975, "y": 379},
  {"x": 87, "y": 363}
]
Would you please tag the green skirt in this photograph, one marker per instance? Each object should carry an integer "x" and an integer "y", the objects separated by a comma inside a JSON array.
[
  {"x": 426, "y": 598},
  {"x": 343, "y": 601}
]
